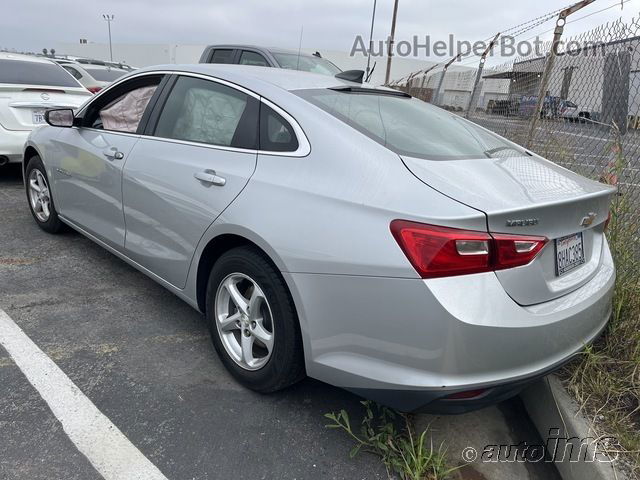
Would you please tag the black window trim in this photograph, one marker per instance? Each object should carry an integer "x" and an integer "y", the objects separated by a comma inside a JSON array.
[{"x": 304, "y": 147}]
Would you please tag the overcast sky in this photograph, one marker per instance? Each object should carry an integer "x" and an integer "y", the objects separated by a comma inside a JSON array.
[{"x": 328, "y": 24}]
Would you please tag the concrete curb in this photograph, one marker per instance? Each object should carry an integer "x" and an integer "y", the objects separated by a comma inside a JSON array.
[{"x": 558, "y": 420}]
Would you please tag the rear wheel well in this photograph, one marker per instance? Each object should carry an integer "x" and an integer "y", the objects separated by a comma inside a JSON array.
[{"x": 214, "y": 249}]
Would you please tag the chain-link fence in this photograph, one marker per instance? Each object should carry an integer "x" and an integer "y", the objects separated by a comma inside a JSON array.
[{"x": 589, "y": 119}]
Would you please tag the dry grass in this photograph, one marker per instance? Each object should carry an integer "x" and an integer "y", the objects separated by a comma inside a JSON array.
[{"x": 606, "y": 379}]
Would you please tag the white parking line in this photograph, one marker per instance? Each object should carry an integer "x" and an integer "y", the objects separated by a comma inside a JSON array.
[{"x": 106, "y": 447}]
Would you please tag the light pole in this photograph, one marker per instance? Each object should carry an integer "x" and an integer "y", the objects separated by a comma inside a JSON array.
[
  {"x": 109, "y": 19},
  {"x": 373, "y": 19},
  {"x": 390, "y": 46}
]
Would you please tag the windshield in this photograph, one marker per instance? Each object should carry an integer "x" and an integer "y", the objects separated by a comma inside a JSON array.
[
  {"x": 411, "y": 127},
  {"x": 306, "y": 63},
  {"x": 35, "y": 73},
  {"x": 105, "y": 75}
]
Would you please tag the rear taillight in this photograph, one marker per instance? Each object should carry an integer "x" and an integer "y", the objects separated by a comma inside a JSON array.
[
  {"x": 94, "y": 89},
  {"x": 443, "y": 252},
  {"x": 515, "y": 250}
]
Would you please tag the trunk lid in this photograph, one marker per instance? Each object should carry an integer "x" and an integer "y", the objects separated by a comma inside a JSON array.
[
  {"x": 527, "y": 195},
  {"x": 22, "y": 106}
]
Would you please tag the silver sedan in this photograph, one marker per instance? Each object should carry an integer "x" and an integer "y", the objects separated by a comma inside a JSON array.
[{"x": 334, "y": 229}]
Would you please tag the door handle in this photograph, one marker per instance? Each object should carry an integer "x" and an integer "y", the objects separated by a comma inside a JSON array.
[
  {"x": 113, "y": 154},
  {"x": 209, "y": 176}
]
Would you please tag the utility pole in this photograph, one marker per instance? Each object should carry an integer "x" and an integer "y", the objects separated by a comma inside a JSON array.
[
  {"x": 483, "y": 59},
  {"x": 390, "y": 46},
  {"x": 373, "y": 19},
  {"x": 109, "y": 19},
  {"x": 548, "y": 66}
]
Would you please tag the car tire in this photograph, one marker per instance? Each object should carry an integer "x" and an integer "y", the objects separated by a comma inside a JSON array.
[
  {"x": 46, "y": 217},
  {"x": 248, "y": 271}
]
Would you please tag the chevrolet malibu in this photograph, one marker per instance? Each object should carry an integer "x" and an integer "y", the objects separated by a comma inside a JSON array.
[{"x": 334, "y": 229}]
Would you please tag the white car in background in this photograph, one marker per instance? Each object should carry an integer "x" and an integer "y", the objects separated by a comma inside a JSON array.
[
  {"x": 94, "y": 77},
  {"x": 571, "y": 112},
  {"x": 28, "y": 86}
]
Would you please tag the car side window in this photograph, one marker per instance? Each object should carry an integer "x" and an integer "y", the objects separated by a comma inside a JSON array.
[
  {"x": 73, "y": 71},
  {"x": 252, "y": 58},
  {"x": 121, "y": 109},
  {"x": 222, "y": 55},
  {"x": 198, "y": 110},
  {"x": 276, "y": 134}
]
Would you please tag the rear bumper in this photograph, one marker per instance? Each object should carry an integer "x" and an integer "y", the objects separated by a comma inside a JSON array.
[
  {"x": 408, "y": 343},
  {"x": 12, "y": 144},
  {"x": 437, "y": 401}
]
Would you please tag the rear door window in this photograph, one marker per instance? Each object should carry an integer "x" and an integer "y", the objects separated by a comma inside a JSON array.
[
  {"x": 252, "y": 58},
  {"x": 35, "y": 73},
  {"x": 222, "y": 55},
  {"x": 204, "y": 111}
]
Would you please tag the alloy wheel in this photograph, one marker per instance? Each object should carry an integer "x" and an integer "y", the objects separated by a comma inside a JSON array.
[
  {"x": 39, "y": 195},
  {"x": 244, "y": 321}
]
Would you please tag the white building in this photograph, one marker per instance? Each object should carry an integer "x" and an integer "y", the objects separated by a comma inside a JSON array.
[{"x": 458, "y": 84}]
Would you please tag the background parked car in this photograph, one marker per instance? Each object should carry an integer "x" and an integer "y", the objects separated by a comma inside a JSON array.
[
  {"x": 93, "y": 76},
  {"x": 28, "y": 86},
  {"x": 93, "y": 61},
  {"x": 570, "y": 111},
  {"x": 268, "y": 57}
]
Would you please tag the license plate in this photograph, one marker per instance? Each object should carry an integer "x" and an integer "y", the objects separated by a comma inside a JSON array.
[
  {"x": 37, "y": 117},
  {"x": 569, "y": 253}
]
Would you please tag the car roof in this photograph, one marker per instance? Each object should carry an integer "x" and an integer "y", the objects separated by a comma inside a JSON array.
[
  {"x": 260, "y": 48},
  {"x": 85, "y": 66},
  {"x": 252, "y": 77},
  {"x": 24, "y": 58},
  {"x": 93, "y": 66}
]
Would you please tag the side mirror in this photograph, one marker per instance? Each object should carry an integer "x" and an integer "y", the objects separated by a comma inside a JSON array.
[{"x": 60, "y": 117}]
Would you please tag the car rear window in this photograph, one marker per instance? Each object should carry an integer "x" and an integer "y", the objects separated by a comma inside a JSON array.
[
  {"x": 409, "y": 126},
  {"x": 105, "y": 75},
  {"x": 35, "y": 73},
  {"x": 306, "y": 63}
]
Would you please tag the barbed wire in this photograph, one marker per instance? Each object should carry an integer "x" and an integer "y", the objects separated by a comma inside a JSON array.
[
  {"x": 521, "y": 29},
  {"x": 618, "y": 3}
]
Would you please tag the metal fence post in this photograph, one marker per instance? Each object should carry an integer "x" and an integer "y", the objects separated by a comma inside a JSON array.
[
  {"x": 548, "y": 66},
  {"x": 483, "y": 59},
  {"x": 421, "y": 89},
  {"x": 436, "y": 96}
]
